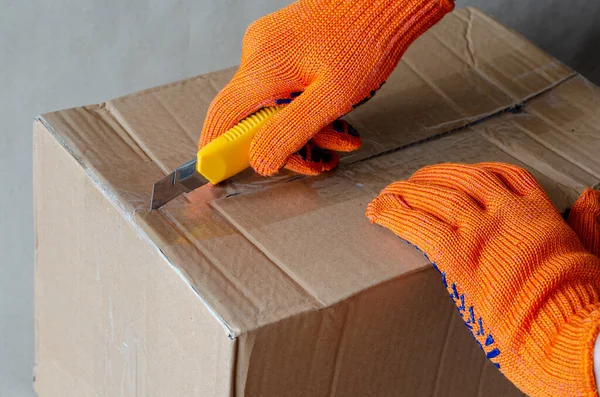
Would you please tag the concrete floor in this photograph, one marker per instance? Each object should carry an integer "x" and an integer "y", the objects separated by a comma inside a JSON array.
[{"x": 65, "y": 53}]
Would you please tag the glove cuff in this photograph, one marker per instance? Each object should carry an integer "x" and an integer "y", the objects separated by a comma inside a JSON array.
[{"x": 564, "y": 364}]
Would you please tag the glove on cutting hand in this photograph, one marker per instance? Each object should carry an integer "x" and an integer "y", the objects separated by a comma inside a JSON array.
[
  {"x": 525, "y": 286},
  {"x": 319, "y": 58}
]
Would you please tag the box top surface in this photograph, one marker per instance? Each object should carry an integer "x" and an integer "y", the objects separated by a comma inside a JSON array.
[{"x": 259, "y": 250}]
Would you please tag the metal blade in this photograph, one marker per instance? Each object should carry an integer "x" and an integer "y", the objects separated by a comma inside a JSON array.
[{"x": 183, "y": 180}]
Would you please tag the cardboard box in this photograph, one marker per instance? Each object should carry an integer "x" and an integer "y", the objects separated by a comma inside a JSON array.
[{"x": 280, "y": 287}]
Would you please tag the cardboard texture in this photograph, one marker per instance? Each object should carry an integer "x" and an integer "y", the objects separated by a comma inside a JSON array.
[{"x": 281, "y": 287}]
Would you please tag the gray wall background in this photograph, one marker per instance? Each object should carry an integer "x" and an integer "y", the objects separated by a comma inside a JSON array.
[{"x": 62, "y": 53}]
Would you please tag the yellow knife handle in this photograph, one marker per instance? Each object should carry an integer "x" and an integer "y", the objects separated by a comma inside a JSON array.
[{"x": 228, "y": 154}]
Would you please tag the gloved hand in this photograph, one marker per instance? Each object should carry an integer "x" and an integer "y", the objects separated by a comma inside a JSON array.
[
  {"x": 320, "y": 59},
  {"x": 525, "y": 286},
  {"x": 584, "y": 219}
]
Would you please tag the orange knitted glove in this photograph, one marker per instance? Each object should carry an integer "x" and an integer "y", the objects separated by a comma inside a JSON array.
[
  {"x": 319, "y": 59},
  {"x": 523, "y": 283},
  {"x": 584, "y": 219}
]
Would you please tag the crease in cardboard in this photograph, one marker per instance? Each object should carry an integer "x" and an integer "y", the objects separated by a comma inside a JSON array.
[
  {"x": 431, "y": 84},
  {"x": 245, "y": 349},
  {"x": 316, "y": 303},
  {"x": 129, "y": 216},
  {"x": 530, "y": 109},
  {"x": 102, "y": 106},
  {"x": 214, "y": 86},
  {"x": 236, "y": 286},
  {"x": 113, "y": 109},
  {"x": 175, "y": 119},
  {"x": 469, "y": 40},
  {"x": 339, "y": 352},
  {"x": 493, "y": 83},
  {"x": 555, "y": 150},
  {"x": 450, "y": 322},
  {"x": 539, "y": 70},
  {"x": 516, "y": 38},
  {"x": 542, "y": 168},
  {"x": 120, "y": 120},
  {"x": 186, "y": 279},
  {"x": 474, "y": 65},
  {"x": 481, "y": 380},
  {"x": 234, "y": 367}
]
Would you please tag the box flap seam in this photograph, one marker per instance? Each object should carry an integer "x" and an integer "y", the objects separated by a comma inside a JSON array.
[
  {"x": 316, "y": 303},
  {"x": 514, "y": 107}
]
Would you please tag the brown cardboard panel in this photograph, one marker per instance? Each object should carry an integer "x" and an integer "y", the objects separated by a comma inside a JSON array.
[
  {"x": 501, "y": 56},
  {"x": 403, "y": 338},
  {"x": 339, "y": 252},
  {"x": 464, "y": 69},
  {"x": 112, "y": 318},
  {"x": 330, "y": 271},
  {"x": 571, "y": 123}
]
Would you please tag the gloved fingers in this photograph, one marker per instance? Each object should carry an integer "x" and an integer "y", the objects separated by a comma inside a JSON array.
[
  {"x": 289, "y": 130},
  {"x": 245, "y": 94},
  {"x": 517, "y": 179},
  {"x": 590, "y": 201},
  {"x": 482, "y": 185},
  {"x": 312, "y": 160},
  {"x": 319, "y": 154},
  {"x": 413, "y": 225},
  {"x": 450, "y": 206},
  {"x": 339, "y": 136}
]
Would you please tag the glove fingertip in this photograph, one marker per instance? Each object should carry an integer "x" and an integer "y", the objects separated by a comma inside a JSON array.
[
  {"x": 265, "y": 162},
  {"x": 312, "y": 160},
  {"x": 339, "y": 136},
  {"x": 377, "y": 206}
]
